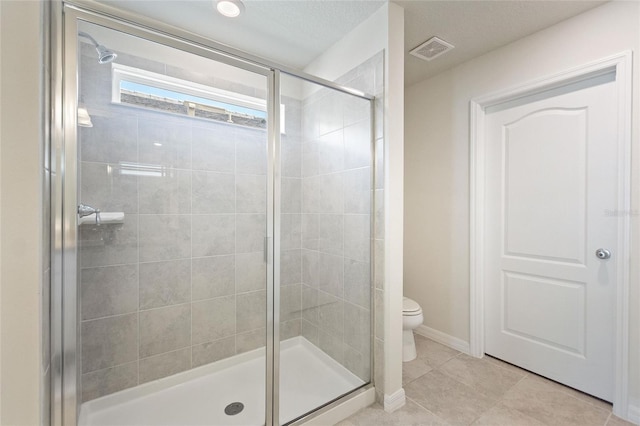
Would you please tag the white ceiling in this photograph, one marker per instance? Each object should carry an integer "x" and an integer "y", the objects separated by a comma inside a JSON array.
[
  {"x": 288, "y": 32},
  {"x": 294, "y": 32}
]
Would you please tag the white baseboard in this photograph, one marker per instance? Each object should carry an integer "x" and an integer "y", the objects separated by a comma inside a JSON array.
[
  {"x": 443, "y": 338},
  {"x": 394, "y": 401},
  {"x": 634, "y": 414}
]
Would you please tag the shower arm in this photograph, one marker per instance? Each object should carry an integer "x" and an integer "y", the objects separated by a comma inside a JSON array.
[
  {"x": 85, "y": 35},
  {"x": 104, "y": 55}
]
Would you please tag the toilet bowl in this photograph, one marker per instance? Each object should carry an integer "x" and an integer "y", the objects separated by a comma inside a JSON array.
[{"x": 411, "y": 319}]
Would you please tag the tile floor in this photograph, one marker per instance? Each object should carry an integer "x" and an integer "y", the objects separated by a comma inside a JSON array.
[{"x": 446, "y": 387}]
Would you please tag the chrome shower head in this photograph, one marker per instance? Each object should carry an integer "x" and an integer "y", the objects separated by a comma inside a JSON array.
[{"x": 104, "y": 55}]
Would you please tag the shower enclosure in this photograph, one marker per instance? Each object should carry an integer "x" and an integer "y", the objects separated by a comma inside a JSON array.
[{"x": 216, "y": 219}]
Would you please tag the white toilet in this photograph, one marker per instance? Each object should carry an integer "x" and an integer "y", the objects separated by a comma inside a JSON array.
[{"x": 411, "y": 319}]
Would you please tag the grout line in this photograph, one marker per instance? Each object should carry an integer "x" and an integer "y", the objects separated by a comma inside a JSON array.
[
  {"x": 135, "y": 361},
  {"x": 474, "y": 391},
  {"x": 432, "y": 369},
  {"x": 137, "y": 212},
  {"x": 426, "y": 409},
  {"x": 191, "y": 246},
  {"x": 568, "y": 391},
  {"x": 500, "y": 400},
  {"x": 136, "y": 312},
  {"x": 497, "y": 402},
  {"x": 235, "y": 246},
  {"x": 561, "y": 387}
]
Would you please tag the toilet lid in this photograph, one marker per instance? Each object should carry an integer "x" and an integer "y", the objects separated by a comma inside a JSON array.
[{"x": 409, "y": 306}]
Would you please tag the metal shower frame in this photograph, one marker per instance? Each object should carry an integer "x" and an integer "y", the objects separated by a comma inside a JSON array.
[{"x": 63, "y": 26}]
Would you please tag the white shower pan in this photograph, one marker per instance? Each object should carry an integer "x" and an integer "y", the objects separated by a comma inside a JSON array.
[{"x": 309, "y": 378}]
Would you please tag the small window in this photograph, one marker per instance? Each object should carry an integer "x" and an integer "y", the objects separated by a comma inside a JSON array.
[{"x": 145, "y": 89}]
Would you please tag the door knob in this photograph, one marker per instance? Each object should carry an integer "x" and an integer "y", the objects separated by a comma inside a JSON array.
[{"x": 603, "y": 254}]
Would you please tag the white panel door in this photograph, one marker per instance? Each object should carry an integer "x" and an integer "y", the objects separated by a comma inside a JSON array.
[{"x": 551, "y": 187}]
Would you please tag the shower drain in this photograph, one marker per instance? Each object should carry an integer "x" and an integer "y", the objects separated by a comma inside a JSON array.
[{"x": 234, "y": 408}]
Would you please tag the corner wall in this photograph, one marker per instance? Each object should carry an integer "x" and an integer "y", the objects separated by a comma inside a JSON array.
[
  {"x": 436, "y": 264},
  {"x": 21, "y": 179}
]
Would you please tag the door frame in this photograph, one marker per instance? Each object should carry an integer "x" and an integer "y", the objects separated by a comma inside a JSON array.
[{"x": 621, "y": 64}]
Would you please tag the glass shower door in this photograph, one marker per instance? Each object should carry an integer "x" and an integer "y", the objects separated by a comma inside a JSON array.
[
  {"x": 215, "y": 272},
  {"x": 173, "y": 214},
  {"x": 324, "y": 234}
]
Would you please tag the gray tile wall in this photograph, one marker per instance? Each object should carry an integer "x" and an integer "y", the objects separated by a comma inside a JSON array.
[
  {"x": 336, "y": 221},
  {"x": 182, "y": 282},
  {"x": 291, "y": 222}
]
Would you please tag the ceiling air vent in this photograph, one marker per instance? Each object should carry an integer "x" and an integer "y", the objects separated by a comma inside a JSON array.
[{"x": 431, "y": 49}]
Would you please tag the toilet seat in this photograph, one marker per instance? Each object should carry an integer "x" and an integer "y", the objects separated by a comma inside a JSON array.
[{"x": 410, "y": 307}]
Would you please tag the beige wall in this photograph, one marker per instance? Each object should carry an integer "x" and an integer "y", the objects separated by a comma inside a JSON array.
[
  {"x": 436, "y": 263},
  {"x": 21, "y": 212}
]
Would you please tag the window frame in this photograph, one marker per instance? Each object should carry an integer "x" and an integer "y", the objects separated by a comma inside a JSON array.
[{"x": 120, "y": 73}]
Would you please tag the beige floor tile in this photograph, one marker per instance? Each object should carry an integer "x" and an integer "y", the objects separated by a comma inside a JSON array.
[
  {"x": 548, "y": 404},
  {"x": 617, "y": 421},
  {"x": 435, "y": 353},
  {"x": 504, "y": 416},
  {"x": 413, "y": 369},
  {"x": 410, "y": 414},
  {"x": 481, "y": 375},
  {"x": 444, "y": 386},
  {"x": 448, "y": 399},
  {"x": 575, "y": 393}
]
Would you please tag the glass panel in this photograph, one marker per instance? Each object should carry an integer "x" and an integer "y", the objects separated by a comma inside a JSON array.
[
  {"x": 325, "y": 284},
  {"x": 172, "y": 280}
]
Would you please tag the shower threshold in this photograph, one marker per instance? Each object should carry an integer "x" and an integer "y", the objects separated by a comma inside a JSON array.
[{"x": 309, "y": 378}]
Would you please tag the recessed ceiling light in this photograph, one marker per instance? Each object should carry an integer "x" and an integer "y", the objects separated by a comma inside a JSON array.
[{"x": 229, "y": 8}]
